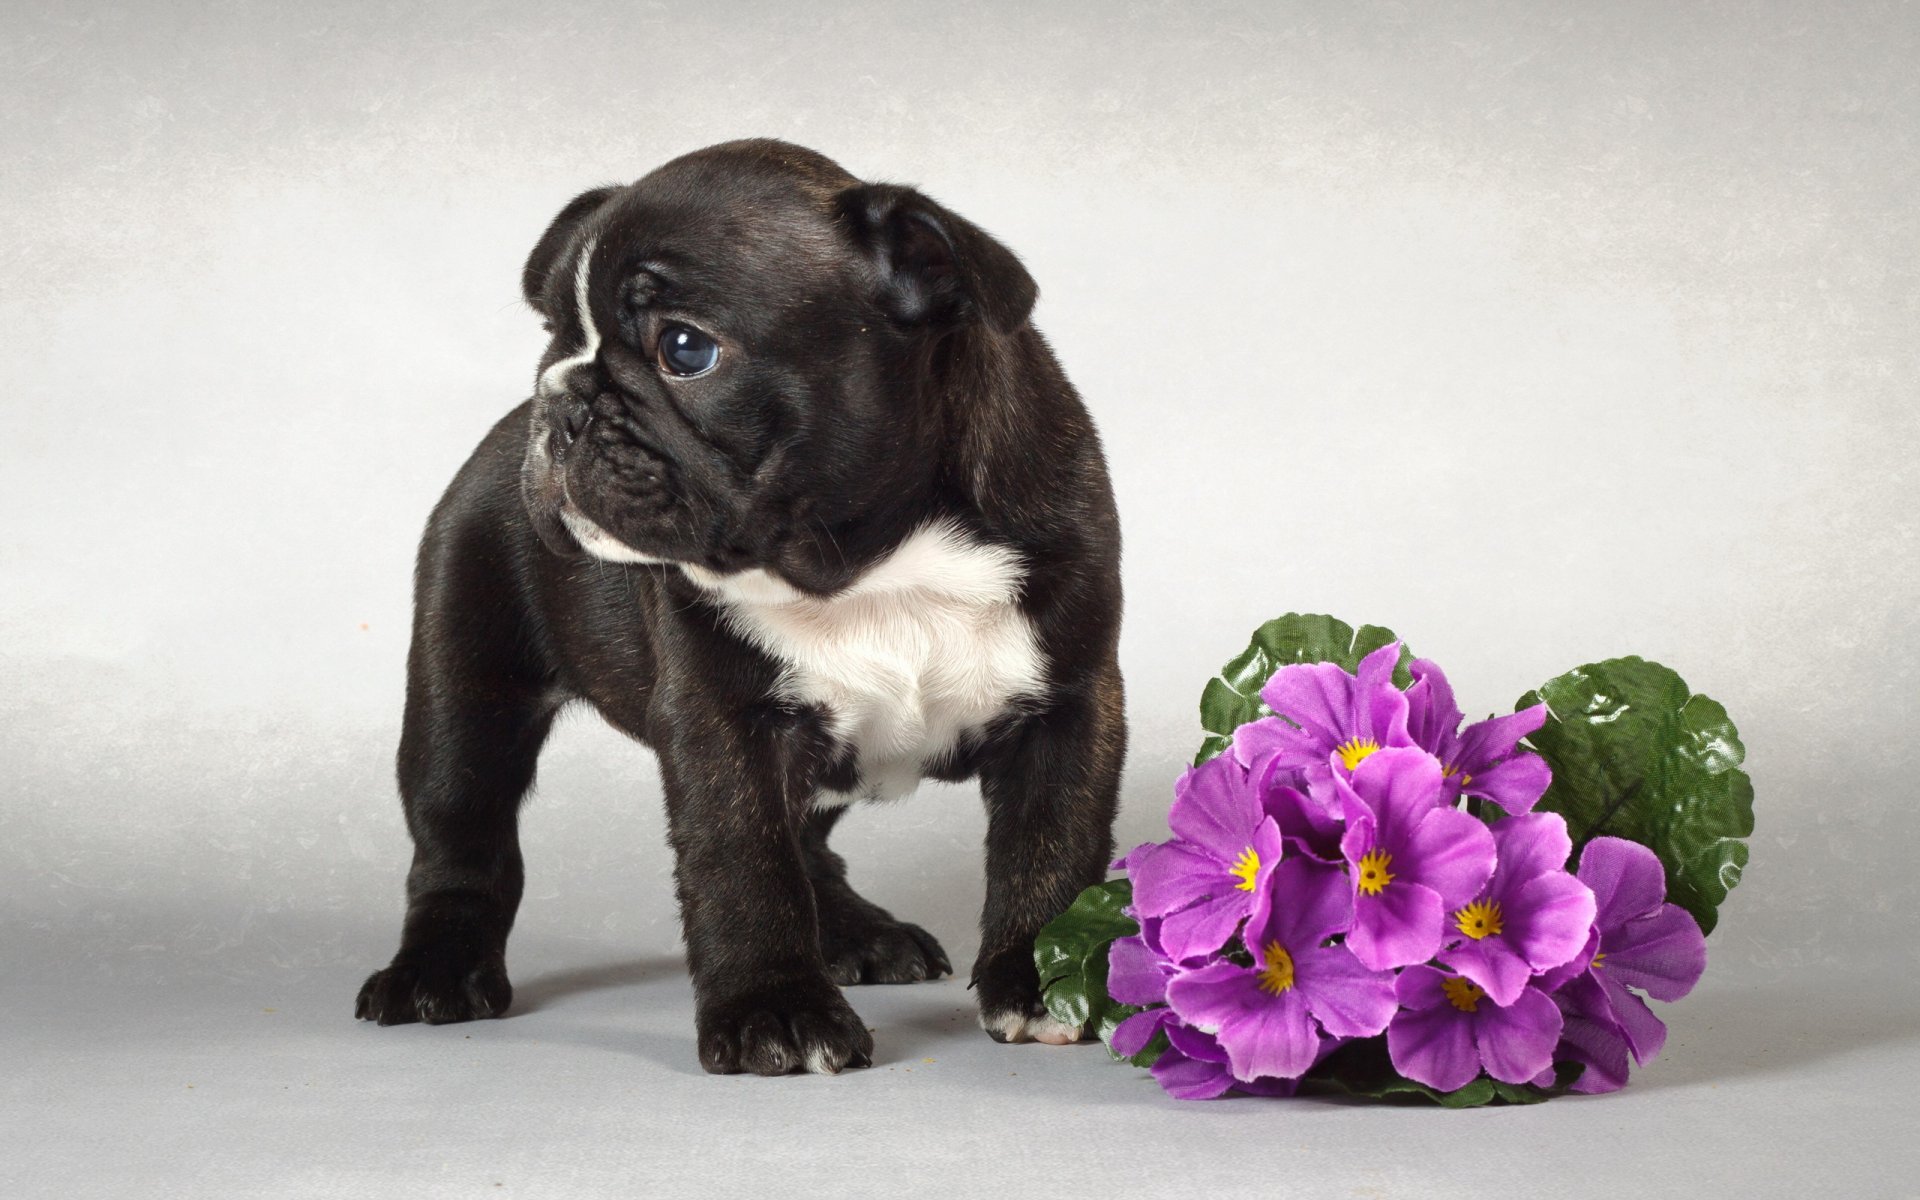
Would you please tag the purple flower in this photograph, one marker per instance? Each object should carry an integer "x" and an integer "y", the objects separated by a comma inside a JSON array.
[
  {"x": 1449, "y": 1029},
  {"x": 1411, "y": 857},
  {"x": 1483, "y": 759},
  {"x": 1137, "y": 973},
  {"x": 1332, "y": 720},
  {"x": 1204, "y": 880},
  {"x": 1269, "y": 1015},
  {"x": 1638, "y": 940},
  {"x": 1532, "y": 917},
  {"x": 1194, "y": 1067}
]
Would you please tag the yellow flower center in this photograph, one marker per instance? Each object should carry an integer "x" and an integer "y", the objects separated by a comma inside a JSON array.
[
  {"x": 1355, "y": 751},
  {"x": 1246, "y": 867},
  {"x": 1453, "y": 770},
  {"x": 1478, "y": 920},
  {"x": 1276, "y": 975},
  {"x": 1374, "y": 876},
  {"x": 1595, "y": 964},
  {"x": 1461, "y": 993}
]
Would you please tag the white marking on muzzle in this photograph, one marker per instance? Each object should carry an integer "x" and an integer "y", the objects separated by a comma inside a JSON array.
[{"x": 598, "y": 542}]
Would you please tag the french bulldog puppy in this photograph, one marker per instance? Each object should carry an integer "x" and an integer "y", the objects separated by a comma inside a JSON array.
[{"x": 803, "y": 502}]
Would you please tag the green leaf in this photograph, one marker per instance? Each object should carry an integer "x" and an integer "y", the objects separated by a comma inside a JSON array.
[
  {"x": 1233, "y": 698},
  {"x": 1071, "y": 956},
  {"x": 1636, "y": 755}
]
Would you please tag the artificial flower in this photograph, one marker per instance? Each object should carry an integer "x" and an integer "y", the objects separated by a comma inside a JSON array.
[
  {"x": 1411, "y": 858},
  {"x": 1449, "y": 1028},
  {"x": 1483, "y": 759},
  {"x": 1638, "y": 940},
  {"x": 1532, "y": 917},
  {"x": 1327, "y": 722},
  {"x": 1269, "y": 1015},
  {"x": 1203, "y": 881}
]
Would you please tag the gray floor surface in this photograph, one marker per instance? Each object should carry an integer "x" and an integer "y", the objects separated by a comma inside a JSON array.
[{"x": 1770, "y": 1086}]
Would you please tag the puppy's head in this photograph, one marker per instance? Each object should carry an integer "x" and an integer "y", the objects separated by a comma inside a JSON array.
[{"x": 745, "y": 362}]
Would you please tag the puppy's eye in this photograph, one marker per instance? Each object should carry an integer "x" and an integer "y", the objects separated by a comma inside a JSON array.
[{"x": 685, "y": 351}]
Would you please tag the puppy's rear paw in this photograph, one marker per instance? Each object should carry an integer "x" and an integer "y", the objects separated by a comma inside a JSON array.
[
  {"x": 420, "y": 989},
  {"x": 881, "y": 950},
  {"x": 779, "y": 1030}
]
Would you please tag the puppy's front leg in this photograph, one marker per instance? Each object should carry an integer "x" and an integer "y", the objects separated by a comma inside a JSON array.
[
  {"x": 764, "y": 1002},
  {"x": 1051, "y": 798}
]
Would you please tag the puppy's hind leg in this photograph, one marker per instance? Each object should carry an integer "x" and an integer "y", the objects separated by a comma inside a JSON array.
[{"x": 861, "y": 942}]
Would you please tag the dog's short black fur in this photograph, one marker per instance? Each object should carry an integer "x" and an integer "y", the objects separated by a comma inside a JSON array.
[{"x": 876, "y": 372}]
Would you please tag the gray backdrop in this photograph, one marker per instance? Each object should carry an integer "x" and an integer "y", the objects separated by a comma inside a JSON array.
[{"x": 1541, "y": 333}]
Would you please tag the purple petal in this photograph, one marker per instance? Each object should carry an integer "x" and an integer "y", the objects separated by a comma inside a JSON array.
[
  {"x": 1487, "y": 742},
  {"x": 1549, "y": 919},
  {"x": 1213, "y": 808},
  {"x": 1186, "y": 1078},
  {"x": 1195, "y": 1044},
  {"x": 1171, "y": 876},
  {"x": 1432, "y": 716},
  {"x": 1131, "y": 1036},
  {"x": 1304, "y": 822},
  {"x": 1399, "y": 786},
  {"x": 1261, "y": 741},
  {"x": 1556, "y": 978},
  {"x": 1663, "y": 953},
  {"x": 1136, "y": 974},
  {"x": 1602, "y": 1050},
  {"x": 1198, "y": 931},
  {"x": 1347, "y": 999},
  {"x": 1646, "y": 1034},
  {"x": 1267, "y": 1087},
  {"x": 1529, "y": 846},
  {"x": 1307, "y": 903},
  {"x": 1275, "y": 1038},
  {"x": 1396, "y": 928},
  {"x": 1386, "y": 721},
  {"x": 1122, "y": 863},
  {"x": 1432, "y": 1043},
  {"x": 1419, "y": 987},
  {"x": 1516, "y": 785},
  {"x": 1491, "y": 963},
  {"x": 1318, "y": 697},
  {"x": 1207, "y": 997},
  {"x": 1450, "y": 852},
  {"x": 1626, "y": 877},
  {"x": 1516, "y": 1041}
]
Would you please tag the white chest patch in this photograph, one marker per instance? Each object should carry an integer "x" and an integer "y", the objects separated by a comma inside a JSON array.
[{"x": 927, "y": 644}]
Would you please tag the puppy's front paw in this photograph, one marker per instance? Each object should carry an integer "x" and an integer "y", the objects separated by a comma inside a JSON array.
[
  {"x": 801, "y": 1026},
  {"x": 875, "y": 948},
  {"x": 433, "y": 989},
  {"x": 1011, "y": 1025},
  {"x": 1010, "y": 1007}
]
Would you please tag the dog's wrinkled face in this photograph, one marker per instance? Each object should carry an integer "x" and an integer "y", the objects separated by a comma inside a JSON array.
[{"x": 739, "y": 365}]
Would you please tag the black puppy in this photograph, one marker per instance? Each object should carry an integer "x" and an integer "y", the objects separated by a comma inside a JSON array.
[{"x": 872, "y": 539}]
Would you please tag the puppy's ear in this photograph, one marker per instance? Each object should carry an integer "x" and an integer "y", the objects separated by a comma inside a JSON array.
[
  {"x": 935, "y": 267},
  {"x": 535, "y": 276}
]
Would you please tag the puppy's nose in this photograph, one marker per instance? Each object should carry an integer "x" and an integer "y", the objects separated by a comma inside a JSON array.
[{"x": 585, "y": 380}]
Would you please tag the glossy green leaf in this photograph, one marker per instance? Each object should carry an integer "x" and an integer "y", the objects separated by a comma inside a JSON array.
[
  {"x": 1071, "y": 956},
  {"x": 1232, "y": 698},
  {"x": 1636, "y": 755}
]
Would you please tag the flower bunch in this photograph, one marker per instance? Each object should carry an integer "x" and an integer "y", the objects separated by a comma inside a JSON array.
[{"x": 1331, "y": 878}]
